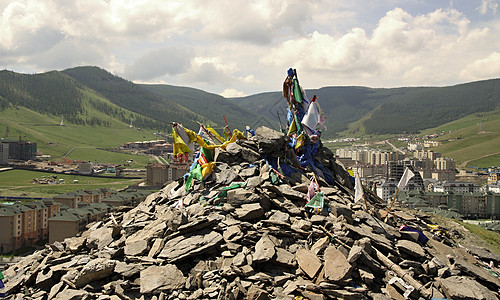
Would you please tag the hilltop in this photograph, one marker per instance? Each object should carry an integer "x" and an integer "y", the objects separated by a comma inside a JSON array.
[{"x": 31, "y": 105}]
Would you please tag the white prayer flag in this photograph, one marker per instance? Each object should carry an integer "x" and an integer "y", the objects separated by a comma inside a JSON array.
[
  {"x": 314, "y": 116},
  {"x": 407, "y": 175},
  {"x": 358, "y": 190}
]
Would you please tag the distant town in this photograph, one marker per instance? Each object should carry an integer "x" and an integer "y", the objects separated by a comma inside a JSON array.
[
  {"x": 437, "y": 187},
  {"x": 27, "y": 222}
]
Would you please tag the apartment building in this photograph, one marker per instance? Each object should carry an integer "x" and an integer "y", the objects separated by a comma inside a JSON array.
[
  {"x": 4, "y": 153},
  {"x": 469, "y": 205},
  {"x": 70, "y": 222},
  {"x": 25, "y": 224},
  {"x": 158, "y": 174},
  {"x": 444, "y": 163},
  {"x": 71, "y": 199},
  {"x": 457, "y": 187}
]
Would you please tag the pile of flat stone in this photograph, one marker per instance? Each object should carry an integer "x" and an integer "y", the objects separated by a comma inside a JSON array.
[{"x": 246, "y": 234}]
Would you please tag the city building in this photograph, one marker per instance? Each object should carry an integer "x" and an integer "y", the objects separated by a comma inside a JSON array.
[
  {"x": 69, "y": 222},
  {"x": 444, "y": 175},
  {"x": 20, "y": 150},
  {"x": 4, "y": 153},
  {"x": 158, "y": 174},
  {"x": 457, "y": 187},
  {"x": 493, "y": 187},
  {"x": 71, "y": 199},
  {"x": 86, "y": 168},
  {"x": 25, "y": 224},
  {"x": 444, "y": 163},
  {"x": 470, "y": 205}
]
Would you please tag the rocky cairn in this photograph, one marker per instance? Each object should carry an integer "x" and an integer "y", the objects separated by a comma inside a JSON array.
[{"x": 256, "y": 241}]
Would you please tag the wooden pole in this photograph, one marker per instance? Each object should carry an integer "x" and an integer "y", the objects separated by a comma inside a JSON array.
[
  {"x": 404, "y": 274},
  {"x": 227, "y": 126},
  {"x": 392, "y": 203}
]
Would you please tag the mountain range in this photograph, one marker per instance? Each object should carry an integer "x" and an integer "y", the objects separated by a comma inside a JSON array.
[{"x": 77, "y": 94}]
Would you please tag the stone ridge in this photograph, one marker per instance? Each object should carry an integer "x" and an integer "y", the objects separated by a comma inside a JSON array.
[{"x": 255, "y": 241}]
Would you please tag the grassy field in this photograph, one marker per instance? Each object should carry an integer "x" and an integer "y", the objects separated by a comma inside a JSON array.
[
  {"x": 16, "y": 183},
  {"x": 474, "y": 140},
  {"x": 58, "y": 140}
]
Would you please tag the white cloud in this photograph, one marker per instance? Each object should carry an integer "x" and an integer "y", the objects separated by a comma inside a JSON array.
[
  {"x": 402, "y": 50},
  {"x": 486, "y": 6},
  {"x": 488, "y": 67},
  {"x": 248, "y": 45},
  {"x": 232, "y": 93}
]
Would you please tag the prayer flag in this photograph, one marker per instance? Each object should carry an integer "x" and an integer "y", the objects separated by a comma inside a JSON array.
[
  {"x": 217, "y": 135},
  {"x": 311, "y": 190},
  {"x": 314, "y": 116},
  {"x": 358, "y": 190},
  {"x": 407, "y": 175},
  {"x": 180, "y": 146}
]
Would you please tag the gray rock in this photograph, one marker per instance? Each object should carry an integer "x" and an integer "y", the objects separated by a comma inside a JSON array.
[
  {"x": 232, "y": 233},
  {"x": 341, "y": 210},
  {"x": 459, "y": 287},
  {"x": 410, "y": 248},
  {"x": 161, "y": 278},
  {"x": 183, "y": 247},
  {"x": 337, "y": 267},
  {"x": 75, "y": 244},
  {"x": 127, "y": 269},
  {"x": 224, "y": 175},
  {"x": 264, "y": 250},
  {"x": 45, "y": 280},
  {"x": 56, "y": 288},
  {"x": 71, "y": 294},
  {"x": 96, "y": 269},
  {"x": 156, "y": 247},
  {"x": 256, "y": 293},
  {"x": 270, "y": 142},
  {"x": 249, "y": 211},
  {"x": 248, "y": 172},
  {"x": 101, "y": 237},
  {"x": 280, "y": 216},
  {"x": 240, "y": 196},
  {"x": 321, "y": 244},
  {"x": 284, "y": 257},
  {"x": 354, "y": 253},
  {"x": 308, "y": 262},
  {"x": 139, "y": 247}
]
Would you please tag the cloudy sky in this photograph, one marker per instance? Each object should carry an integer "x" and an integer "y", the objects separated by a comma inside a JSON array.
[{"x": 244, "y": 47}]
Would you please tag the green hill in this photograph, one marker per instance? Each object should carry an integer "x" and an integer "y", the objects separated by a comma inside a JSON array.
[
  {"x": 94, "y": 104},
  {"x": 471, "y": 141},
  {"x": 210, "y": 106},
  {"x": 135, "y": 98},
  {"x": 388, "y": 111}
]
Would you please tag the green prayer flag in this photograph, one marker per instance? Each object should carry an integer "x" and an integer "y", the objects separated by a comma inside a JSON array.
[
  {"x": 317, "y": 201},
  {"x": 297, "y": 93},
  {"x": 1, "y": 275},
  {"x": 195, "y": 173}
]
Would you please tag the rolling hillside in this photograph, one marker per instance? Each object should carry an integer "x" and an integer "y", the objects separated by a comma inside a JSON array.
[
  {"x": 135, "y": 98},
  {"x": 471, "y": 141},
  {"x": 92, "y": 99},
  {"x": 384, "y": 111},
  {"x": 209, "y": 106}
]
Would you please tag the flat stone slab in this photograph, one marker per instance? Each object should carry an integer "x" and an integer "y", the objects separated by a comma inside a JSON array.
[
  {"x": 182, "y": 247},
  {"x": 337, "y": 268},
  {"x": 249, "y": 211},
  {"x": 264, "y": 250},
  {"x": 161, "y": 278},
  {"x": 410, "y": 248},
  {"x": 308, "y": 262},
  {"x": 460, "y": 287}
]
